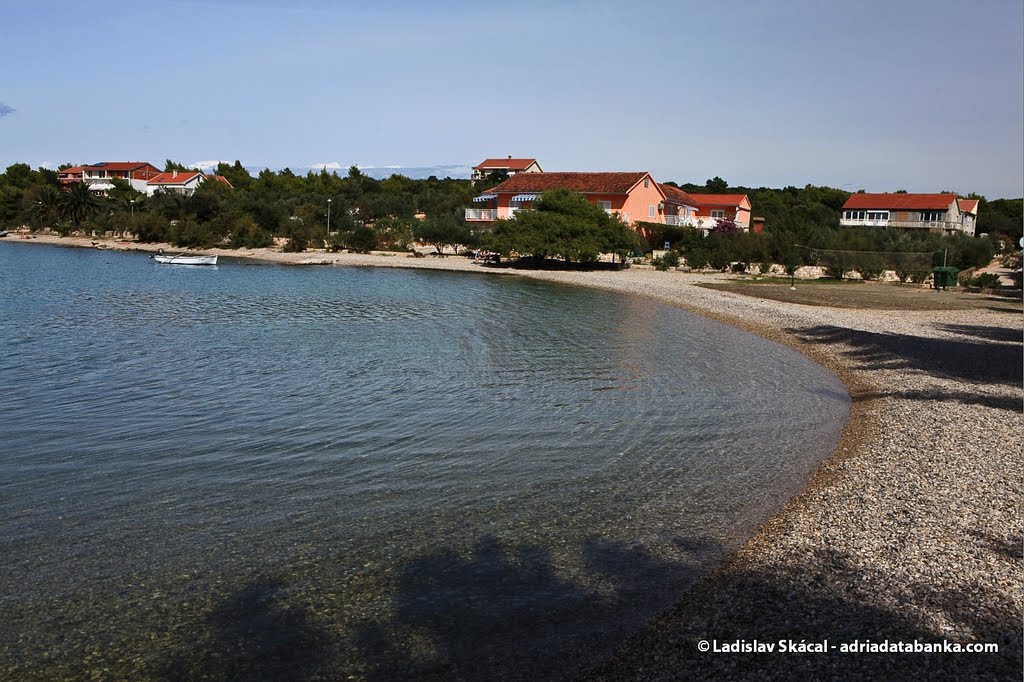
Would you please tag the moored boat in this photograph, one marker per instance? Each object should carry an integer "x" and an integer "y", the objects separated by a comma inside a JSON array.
[{"x": 185, "y": 259}]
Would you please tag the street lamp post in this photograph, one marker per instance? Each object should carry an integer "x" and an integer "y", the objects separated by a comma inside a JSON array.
[
  {"x": 132, "y": 202},
  {"x": 328, "y": 217}
]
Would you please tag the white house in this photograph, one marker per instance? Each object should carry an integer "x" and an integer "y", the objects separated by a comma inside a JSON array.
[{"x": 180, "y": 182}]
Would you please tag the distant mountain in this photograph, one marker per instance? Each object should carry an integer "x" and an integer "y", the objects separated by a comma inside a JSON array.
[{"x": 457, "y": 172}]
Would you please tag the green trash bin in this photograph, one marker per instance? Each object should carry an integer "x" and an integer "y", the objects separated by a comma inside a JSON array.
[{"x": 944, "y": 277}]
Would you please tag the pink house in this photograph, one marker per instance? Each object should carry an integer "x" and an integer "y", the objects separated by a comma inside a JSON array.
[
  {"x": 711, "y": 207},
  {"x": 634, "y": 197},
  {"x": 703, "y": 211}
]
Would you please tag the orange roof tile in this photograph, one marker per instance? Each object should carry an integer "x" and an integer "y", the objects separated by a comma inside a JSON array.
[
  {"x": 584, "y": 183},
  {"x": 221, "y": 178},
  {"x": 117, "y": 165},
  {"x": 181, "y": 178},
  {"x": 897, "y": 202},
  {"x": 510, "y": 164},
  {"x": 677, "y": 196},
  {"x": 718, "y": 199},
  {"x": 968, "y": 205}
]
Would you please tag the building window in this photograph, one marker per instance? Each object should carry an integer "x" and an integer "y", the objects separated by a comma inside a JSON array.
[
  {"x": 878, "y": 215},
  {"x": 647, "y": 183},
  {"x": 606, "y": 205},
  {"x": 932, "y": 216},
  {"x": 718, "y": 214},
  {"x": 652, "y": 211}
]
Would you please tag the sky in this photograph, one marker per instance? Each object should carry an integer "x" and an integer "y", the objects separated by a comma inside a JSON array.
[{"x": 920, "y": 95}]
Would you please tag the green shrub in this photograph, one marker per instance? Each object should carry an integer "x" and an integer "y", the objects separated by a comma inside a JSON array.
[
  {"x": 361, "y": 240},
  {"x": 986, "y": 280},
  {"x": 870, "y": 266},
  {"x": 667, "y": 261},
  {"x": 246, "y": 233}
]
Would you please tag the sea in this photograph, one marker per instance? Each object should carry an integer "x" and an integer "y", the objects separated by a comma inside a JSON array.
[{"x": 256, "y": 471}]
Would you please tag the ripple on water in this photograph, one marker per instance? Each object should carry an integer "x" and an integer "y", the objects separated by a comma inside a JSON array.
[{"x": 407, "y": 471}]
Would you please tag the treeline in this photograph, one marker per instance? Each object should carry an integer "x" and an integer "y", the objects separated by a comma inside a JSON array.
[
  {"x": 365, "y": 213},
  {"x": 869, "y": 251},
  {"x": 803, "y": 211},
  {"x": 802, "y": 225}
]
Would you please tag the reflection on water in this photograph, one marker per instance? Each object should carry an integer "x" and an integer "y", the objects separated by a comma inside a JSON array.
[{"x": 384, "y": 473}]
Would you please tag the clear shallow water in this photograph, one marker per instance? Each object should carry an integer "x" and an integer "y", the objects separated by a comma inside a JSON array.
[{"x": 264, "y": 470}]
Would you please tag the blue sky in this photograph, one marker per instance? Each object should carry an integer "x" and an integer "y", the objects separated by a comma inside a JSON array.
[{"x": 923, "y": 96}]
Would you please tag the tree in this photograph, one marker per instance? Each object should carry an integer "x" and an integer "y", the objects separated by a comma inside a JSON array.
[
  {"x": 716, "y": 185},
  {"x": 123, "y": 192},
  {"x": 443, "y": 231},
  {"x": 565, "y": 225},
  {"x": 79, "y": 204},
  {"x": 170, "y": 165},
  {"x": 361, "y": 240},
  {"x": 245, "y": 233},
  {"x": 44, "y": 207}
]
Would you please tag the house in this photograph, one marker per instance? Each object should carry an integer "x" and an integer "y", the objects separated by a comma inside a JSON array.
[
  {"x": 69, "y": 176},
  {"x": 702, "y": 211},
  {"x": 181, "y": 182},
  {"x": 98, "y": 176},
  {"x": 679, "y": 209},
  {"x": 507, "y": 166},
  {"x": 712, "y": 207},
  {"x": 968, "y": 214},
  {"x": 938, "y": 213},
  {"x": 634, "y": 197}
]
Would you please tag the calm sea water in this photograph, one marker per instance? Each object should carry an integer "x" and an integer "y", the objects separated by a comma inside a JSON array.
[{"x": 266, "y": 471}]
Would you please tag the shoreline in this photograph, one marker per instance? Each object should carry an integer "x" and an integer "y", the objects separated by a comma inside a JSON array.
[{"x": 887, "y": 539}]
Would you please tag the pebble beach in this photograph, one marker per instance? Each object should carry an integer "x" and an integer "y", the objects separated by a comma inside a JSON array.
[{"x": 911, "y": 531}]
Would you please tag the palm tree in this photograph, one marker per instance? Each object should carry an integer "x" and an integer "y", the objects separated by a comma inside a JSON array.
[
  {"x": 45, "y": 207},
  {"x": 79, "y": 204}
]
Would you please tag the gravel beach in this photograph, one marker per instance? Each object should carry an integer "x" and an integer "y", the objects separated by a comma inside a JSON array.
[{"x": 910, "y": 531}]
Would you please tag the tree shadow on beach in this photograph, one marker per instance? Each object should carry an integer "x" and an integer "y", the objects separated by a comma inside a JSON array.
[
  {"x": 506, "y": 612},
  {"x": 258, "y": 633},
  {"x": 1002, "y": 334},
  {"x": 957, "y": 359},
  {"x": 829, "y": 597},
  {"x": 516, "y": 612},
  {"x": 1011, "y": 403}
]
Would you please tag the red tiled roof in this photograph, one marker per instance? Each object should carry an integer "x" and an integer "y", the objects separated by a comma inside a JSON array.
[
  {"x": 220, "y": 178},
  {"x": 968, "y": 205},
  {"x": 731, "y": 200},
  {"x": 510, "y": 164},
  {"x": 677, "y": 196},
  {"x": 170, "y": 178},
  {"x": 72, "y": 169},
  {"x": 117, "y": 165},
  {"x": 585, "y": 183},
  {"x": 897, "y": 202}
]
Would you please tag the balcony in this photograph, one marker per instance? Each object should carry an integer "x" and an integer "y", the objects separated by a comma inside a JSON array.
[
  {"x": 683, "y": 221},
  {"x": 862, "y": 222},
  {"x": 927, "y": 225},
  {"x": 481, "y": 213}
]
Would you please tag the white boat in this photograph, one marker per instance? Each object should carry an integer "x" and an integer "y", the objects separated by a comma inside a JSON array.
[{"x": 184, "y": 259}]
